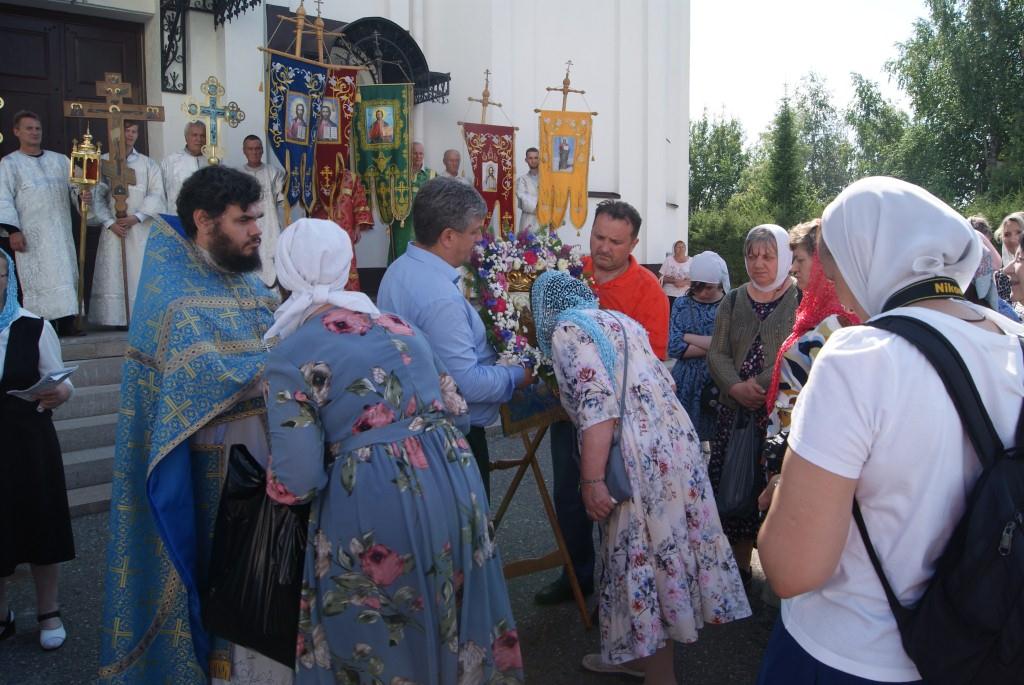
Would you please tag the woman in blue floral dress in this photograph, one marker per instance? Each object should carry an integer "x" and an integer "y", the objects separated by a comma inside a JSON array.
[
  {"x": 690, "y": 328},
  {"x": 403, "y": 582},
  {"x": 666, "y": 565}
]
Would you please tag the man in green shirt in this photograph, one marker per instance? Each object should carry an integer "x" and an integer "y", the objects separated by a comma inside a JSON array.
[{"x": 402, "y": 231}]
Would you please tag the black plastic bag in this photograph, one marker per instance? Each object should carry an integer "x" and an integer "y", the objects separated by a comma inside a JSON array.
[
  {"x": 739, "y": 485},
  {"x": 256, "y": 564}
]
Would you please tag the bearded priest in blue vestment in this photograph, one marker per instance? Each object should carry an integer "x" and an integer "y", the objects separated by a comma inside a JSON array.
[{"x": 191, "y": 388}]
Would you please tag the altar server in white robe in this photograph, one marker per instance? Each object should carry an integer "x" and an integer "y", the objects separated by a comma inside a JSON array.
[
  {"x": 271, "y": 179},
  {"x": 35, "y": 214},
  {"x": 526, "y": 192},
  {"x": 182, "y": 164},
  {"x": 145, "y": 202}
]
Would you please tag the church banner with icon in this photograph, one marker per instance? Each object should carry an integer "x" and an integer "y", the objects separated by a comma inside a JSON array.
[
  {"x": 564, "y": 163},
  {"x": 294, "y": 103},
  {"x": 383, "y": 146},
  {"x": 491, "y": 156},
  {"x": 334, "y": 132}
]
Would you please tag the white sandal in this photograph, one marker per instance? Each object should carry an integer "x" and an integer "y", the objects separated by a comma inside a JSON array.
[{"x": 54, "y": 638}]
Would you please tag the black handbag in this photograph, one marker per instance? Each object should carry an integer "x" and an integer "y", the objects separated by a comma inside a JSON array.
[
  {"x": 739, "y": 485},
  {"x": 259, "y": 545}
]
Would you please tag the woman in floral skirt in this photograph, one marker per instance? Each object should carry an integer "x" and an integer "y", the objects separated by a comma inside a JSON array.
[
  {"x": 403, "y": 582},
  {"x": 666, "y": 565}
]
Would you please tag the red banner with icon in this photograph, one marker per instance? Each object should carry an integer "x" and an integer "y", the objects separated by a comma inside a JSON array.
[
  {"x": 491, "y": 157},
  {"x": 334, "y": 134}
]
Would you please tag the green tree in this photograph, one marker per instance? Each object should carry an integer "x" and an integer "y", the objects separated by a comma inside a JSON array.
[
  {"x": 828, "y": 154},
  {"x": 717, "y": 161},
  {"x": 785, "y": 185},
  {"x": 963, "y": 69},
  {"x": 878, "y": 127}
]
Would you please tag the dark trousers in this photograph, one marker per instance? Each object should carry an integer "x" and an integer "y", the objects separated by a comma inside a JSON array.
[
  {"x": 577, "y": 528},
  {"x": 477, "y": 439},
  {"x": 787, "y": 663}
]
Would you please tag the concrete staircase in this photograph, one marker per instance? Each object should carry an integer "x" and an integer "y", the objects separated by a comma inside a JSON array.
[{"x": 87, "y": 423}]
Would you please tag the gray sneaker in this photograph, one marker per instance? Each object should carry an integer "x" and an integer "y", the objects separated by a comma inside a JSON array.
[{"x": 594, "y": 664}]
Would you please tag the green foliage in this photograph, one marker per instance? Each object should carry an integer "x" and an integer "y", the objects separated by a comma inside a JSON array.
[
  {"x": 717, "y": 161},
  {"x": 963, "y": 69},
  {"x": 878, "y": 127},
  {"x": 822, "y": 131},
  {"x": 786, "y": 185}
]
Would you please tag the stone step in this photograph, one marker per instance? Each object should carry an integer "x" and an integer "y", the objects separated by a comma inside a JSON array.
[
  {"x": 89, "y": 500},
  {"x": 94, "y": 345},
  {"x": 100, "y": 371},
  {"x": 93, "y": 466},
  {"x": 91, "y": 400},
  {"x": 86, "y": 432}
]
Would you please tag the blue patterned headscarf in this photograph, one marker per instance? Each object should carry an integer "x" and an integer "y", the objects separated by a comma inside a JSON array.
[
  {"x": 557, "y": 297},
  {"x": 11, "y": 307}
]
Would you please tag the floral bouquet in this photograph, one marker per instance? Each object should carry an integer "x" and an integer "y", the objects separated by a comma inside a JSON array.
[{"x": 505, "y": 271}]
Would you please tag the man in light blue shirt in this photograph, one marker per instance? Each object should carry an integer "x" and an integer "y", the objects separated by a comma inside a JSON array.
[{"x": 422, "y": 286}]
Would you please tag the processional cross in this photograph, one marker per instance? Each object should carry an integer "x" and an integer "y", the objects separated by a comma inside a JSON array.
[
  {"x": 565, "y": 89},
  {"x": 485, "y": 97},
  {"x": 213, "y": 112},
  {"x": 115, "y": 111}
]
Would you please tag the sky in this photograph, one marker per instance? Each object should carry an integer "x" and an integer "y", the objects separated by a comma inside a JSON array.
[{"x": 743, "y": 53}]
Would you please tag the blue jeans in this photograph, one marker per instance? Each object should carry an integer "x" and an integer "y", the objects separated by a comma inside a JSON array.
[
  {"x": 786, "y": 663},
  {"x": 577, "y": 528}
]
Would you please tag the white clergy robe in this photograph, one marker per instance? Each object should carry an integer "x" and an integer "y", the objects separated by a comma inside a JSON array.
[
  {"x": 526, "y": 195},
  {"x": 271, "y": 179},
  {"x": 145, "y": 201},
  {"x": 176, "y": 169},
  {"x": 36, "y": 197}
]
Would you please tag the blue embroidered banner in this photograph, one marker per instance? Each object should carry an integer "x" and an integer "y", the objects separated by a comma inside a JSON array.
[{"x": 294, "y": 104}]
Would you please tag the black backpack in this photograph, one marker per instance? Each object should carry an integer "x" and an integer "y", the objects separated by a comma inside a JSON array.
[{"x": 968, "y": 627}]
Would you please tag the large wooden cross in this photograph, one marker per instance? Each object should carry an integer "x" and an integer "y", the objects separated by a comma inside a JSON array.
[
  {"x": 115, "y": 111},
  {"x": 213, "y": 112}
]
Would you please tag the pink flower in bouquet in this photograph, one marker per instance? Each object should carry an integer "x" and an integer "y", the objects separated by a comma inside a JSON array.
[
  {"x": 373, "y": 416},
  {"x": 346, "y": 321},
  {"x": 414, "y": 451},
  {"x": 507, "y": 656},
  {"x": 500, "y": 306},
  {"x": 381, "y": 565},
  {"x": 530, "y": 258}
]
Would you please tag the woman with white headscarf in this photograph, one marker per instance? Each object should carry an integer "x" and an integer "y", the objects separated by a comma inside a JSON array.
[
  {"x": 402, "y": 577},
  {"x": 753, "y": 321},
  {"x": 875, "y": 421},
  {"x": 690, "y": 326},
  {"x": 666, "y": 566}
]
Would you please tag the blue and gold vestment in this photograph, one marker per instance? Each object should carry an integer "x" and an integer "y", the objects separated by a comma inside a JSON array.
[{"x": 195, "y": 350}]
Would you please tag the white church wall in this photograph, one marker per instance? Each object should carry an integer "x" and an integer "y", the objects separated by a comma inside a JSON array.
[{"x": 631, "y": 57}]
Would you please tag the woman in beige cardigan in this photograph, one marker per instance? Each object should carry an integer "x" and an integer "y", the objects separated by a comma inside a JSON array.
[{"x": 752, "y": 323}]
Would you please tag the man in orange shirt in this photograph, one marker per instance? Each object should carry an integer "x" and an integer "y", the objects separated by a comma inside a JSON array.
[
  {"x": 623, "y": 284},
  {"x": 620, "y": 282}
]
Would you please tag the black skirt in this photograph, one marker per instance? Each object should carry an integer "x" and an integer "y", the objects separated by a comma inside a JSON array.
[{"x": 35, "y": 524}]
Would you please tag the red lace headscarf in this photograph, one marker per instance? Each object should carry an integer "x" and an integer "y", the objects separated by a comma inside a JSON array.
[{"x": 819, "y": 302}]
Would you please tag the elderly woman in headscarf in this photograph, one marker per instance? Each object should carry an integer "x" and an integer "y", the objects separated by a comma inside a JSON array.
[
  {"x": 403, "y": 580},
  {"x": 875, "y": 420},
  {"x": 753, "y": 321},
  {"x": 691, "y": 324},
  {"x": 819, "y": 315},
  {"x": 35, "y": 525},
  {"x": 667, "y": 567}
]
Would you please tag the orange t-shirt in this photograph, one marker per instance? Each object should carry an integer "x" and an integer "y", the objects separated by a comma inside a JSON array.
[{"x": 637, "y": 294}]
